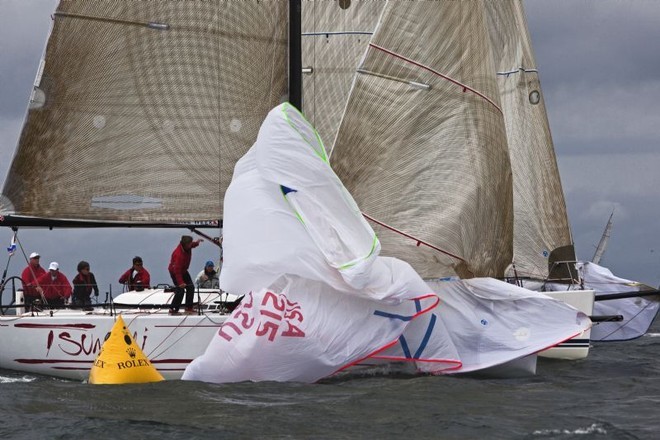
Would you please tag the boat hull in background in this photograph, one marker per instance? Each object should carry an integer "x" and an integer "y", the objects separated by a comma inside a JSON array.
[{"x": 577, "y": 347}]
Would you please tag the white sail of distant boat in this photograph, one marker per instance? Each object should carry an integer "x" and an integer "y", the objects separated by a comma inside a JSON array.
[{"x": 602, "y": 244}]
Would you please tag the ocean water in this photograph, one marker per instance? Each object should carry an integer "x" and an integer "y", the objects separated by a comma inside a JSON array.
[{"x": 613, "y": 394}]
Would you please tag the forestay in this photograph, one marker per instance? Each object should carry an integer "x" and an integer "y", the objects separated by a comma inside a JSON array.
[{"x": 168, "y": 93}]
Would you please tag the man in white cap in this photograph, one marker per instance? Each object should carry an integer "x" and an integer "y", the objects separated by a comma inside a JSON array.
[
  {"x": 55, "y": 286},
  {"x": 29, "y": 277}
]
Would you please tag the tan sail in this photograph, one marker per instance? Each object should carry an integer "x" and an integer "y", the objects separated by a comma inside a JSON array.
[
  {"x": 144, "y": 107},
  {"x": 335, "y": 36},
  {"x": 542, "y": 234},
  {"x": 422, "y": 145}
]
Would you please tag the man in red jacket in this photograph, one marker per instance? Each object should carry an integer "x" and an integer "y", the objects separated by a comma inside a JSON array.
[
  {"x": 29, "y": 277},
  {"x": 179, "y": 264},
  {"x": 137, "y": 277},
  {"x": 55, "y": 286}
]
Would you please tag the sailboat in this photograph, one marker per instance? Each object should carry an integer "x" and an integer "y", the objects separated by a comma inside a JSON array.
[
  {"x": 632, "y": 306},
  {"x": 137, "y": 116},
  {"x": 544, "y": 253},
  {"x": 159, "y": 89},
  {"x": 484, "y": 211}
]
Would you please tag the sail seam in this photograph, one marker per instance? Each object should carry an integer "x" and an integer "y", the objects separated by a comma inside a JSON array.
[{"x": 430, "y": 69}]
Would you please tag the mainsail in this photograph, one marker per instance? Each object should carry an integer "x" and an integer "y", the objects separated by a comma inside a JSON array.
[
  {"x": 422, "y": 145},
  {"x": 541, "y": 232},
  {"x": 143, "y": 109}
]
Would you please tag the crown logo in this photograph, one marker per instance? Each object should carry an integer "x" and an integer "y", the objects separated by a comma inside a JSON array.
[{"x": 131, "y": 352}]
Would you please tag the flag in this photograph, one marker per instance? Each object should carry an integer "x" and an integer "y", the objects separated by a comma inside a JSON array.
[{"x": 12, "y": 247}]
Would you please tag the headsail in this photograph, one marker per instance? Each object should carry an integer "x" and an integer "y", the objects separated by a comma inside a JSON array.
[
  {"x": 335, "y": 36},
  {"x": 422, "y": 145},
  {"x": 541, "y": 230},
  {"x": 143, "y": 109}
]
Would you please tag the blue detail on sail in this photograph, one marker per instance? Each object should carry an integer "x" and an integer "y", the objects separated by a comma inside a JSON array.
[
  {"x": 422, "y": 345},
  {"x": 418, "y": 305},
  {"x": 286, "y": 190},
  {"x": 404, "y": 347},
  {"x": 392, "y": 315},
  {"x": 427, "y": 336}
]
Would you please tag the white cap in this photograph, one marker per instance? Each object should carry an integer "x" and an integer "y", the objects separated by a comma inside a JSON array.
[
  {"x": 34, "y": 255},
  {"x": 54, "y": 266}
]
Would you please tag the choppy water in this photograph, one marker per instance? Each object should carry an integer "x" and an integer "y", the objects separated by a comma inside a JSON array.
[{"x": 614, "y": 394}]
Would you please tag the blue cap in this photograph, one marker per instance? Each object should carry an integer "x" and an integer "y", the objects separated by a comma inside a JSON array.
[{"x": 209, "y": 263}]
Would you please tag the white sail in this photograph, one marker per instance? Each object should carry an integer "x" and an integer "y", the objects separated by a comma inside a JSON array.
[
  {"x": 320, "y": 298},
  {"x": 602, "y": 244},
  {"x": 541, "y": 232},
  {"x": 145, "y": 108},
  {"x": 422, "y": 144}
]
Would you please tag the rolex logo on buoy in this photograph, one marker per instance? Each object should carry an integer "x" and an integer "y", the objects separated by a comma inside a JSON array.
[{"x": 121, "y": 360}]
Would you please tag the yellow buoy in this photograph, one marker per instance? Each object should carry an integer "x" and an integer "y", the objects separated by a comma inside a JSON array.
[{"x": 121, "y": 360}]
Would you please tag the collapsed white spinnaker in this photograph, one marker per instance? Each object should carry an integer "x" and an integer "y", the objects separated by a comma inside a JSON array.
[
  {"x": 638, "y": 312},
  {"x": 320, "y": 298}
]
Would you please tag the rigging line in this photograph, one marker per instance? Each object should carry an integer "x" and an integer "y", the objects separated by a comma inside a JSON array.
[
  {"x": 151, "y": 357},
  {"x": 412, "y": 237},
  {"x": 430, "y": 69}
]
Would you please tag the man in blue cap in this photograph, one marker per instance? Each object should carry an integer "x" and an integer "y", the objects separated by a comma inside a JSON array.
[{"x": 208, "y": 278}]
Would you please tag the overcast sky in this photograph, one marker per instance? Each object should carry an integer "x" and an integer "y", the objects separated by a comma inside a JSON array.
[{"x": 598, "y": 62}]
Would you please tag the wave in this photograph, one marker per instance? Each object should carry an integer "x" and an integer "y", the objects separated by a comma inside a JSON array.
[{"x": 24, "y": 379}]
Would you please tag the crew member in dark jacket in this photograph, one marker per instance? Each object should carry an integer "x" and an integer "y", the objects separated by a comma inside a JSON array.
[
  {"x": 83, "y": 284},
  {"x": 178, "y": 268},
  {"x": 137, "y": 277}
]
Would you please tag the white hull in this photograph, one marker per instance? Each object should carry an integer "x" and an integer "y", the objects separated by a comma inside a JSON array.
[
  {"x": 578, "y": 346},
  {"x": 67, "y": 343}
]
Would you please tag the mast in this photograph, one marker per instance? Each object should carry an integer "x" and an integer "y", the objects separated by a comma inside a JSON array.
[
  {"x": 602, "y": 244},
  {"x": 295, "y": 54}
]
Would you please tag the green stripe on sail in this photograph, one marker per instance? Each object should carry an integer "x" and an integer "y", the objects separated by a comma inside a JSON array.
[
  {"x": 354, "y": 262},
  {"x": 321, "y": 154}
]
